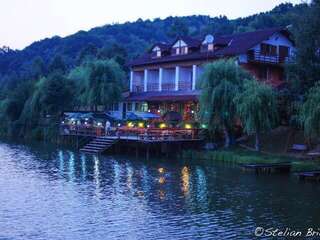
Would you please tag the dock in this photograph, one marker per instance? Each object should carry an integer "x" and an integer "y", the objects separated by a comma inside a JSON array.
[
  {"x": 143, "y": 142},
  {"x": 309, "y": 176},
  {"x": 268, "y": 168}
]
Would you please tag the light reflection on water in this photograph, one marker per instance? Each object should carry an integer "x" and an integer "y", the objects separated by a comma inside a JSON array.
[{"x": 60, "y": 194}]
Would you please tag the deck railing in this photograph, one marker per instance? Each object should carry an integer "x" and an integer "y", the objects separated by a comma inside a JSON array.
[
  {"x": 258, "y": 56},
  {"x": 143, "y": 134}
]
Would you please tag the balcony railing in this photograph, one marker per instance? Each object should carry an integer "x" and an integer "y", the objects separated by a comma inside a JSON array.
[
  {"x": 258, "y": 56},
  {"x": 168, "y": 86},
  {"x": 138, "y": 89}
]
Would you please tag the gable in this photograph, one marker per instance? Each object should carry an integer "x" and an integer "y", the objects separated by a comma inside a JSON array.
[{"x": 179, "y": 43}]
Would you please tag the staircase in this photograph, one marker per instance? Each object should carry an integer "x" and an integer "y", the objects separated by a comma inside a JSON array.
[{"x": 98, "y": 145}]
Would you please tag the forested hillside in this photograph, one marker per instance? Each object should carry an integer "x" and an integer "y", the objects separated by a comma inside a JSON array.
[{"x": 127, "y": 40}]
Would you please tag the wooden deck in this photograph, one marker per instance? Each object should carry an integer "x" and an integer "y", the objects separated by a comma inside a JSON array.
[
  {"x": 268, "y": 168},
  {"x": 138, "y": 141},
  {"x": 138, "y": 134},
  {"x": 309, "y": 176}
]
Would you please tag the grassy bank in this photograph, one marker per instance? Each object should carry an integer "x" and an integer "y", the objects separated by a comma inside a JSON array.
[{"x": 240, "y": 156}]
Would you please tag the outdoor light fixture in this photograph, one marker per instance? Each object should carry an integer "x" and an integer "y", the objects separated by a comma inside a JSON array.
[
  {"x": 159, "y": 111},
  {"x": 141, "y": 125},
  {"x": 188, "y": 126},
  {"x": 99, "y": 124},
  {"x": 85, "y": 123},
  {"x": 62, "y": 122},
  {"x": 130, "y": 124},
  {"x": 163, "y": 125},
  {"x": 149, "y": 110},
  {"x": 119, "y": 125},
  {"x": 192, "y": 112},
  {"x": 204, "y": 126}
]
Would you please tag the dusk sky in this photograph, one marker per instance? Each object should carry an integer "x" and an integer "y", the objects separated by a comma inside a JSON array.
[{"x": 25, "y": 21}]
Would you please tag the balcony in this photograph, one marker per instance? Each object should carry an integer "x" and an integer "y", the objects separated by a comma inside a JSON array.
[
  {"x": 259, "y": 57},
  {"x": 137, "y": 89}
]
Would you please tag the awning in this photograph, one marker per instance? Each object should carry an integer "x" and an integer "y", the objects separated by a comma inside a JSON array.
[{"x": 170, "y": 96}]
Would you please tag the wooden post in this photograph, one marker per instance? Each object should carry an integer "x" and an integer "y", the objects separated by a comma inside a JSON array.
[{"x": 148, "y": 152}]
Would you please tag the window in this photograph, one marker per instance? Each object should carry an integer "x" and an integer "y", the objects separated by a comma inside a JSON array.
[
  {"x": 156, "y": 52},
  {"x": 116, "y": 107},
  {"x": 210, "y": 47},
  {"x": 268, "y": 50},
  {"x": 177, "y": 51},
  {"x": 184, "y": 50},
  {"x": 129, "y": 107}
]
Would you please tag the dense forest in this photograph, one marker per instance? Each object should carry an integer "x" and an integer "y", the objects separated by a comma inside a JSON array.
[
  {"x": 88, "y": 69},
  {"x": 132, "y": 38}
]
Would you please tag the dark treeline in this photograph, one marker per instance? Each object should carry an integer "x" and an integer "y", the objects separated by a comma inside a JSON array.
[{"x": 136, "y": 37}]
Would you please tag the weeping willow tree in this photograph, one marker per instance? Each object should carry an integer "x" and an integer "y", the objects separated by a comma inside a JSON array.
[
  {"x": 257, "y": 108},
  {"x": 310, "y": 112},
  {"x": 220, "y": 83},
  {"x": 98, "y": 83}
]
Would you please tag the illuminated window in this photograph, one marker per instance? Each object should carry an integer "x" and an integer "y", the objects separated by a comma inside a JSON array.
[{"x": 210, "y": 47}]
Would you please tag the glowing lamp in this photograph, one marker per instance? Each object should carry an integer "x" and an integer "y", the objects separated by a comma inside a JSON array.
[
  {"x": 159, "y": 111},
  {"x": 161, "y": 170},
  {"x": 188, "y": 126},
  {"x": 119, "y": 125},
  {"x": 163, "y": 125},
  {"x": 140, "y": 124},
  {"x": 130, "y": 124},
  {"x": 148, "y": 126},
  {"x": 204, "y": 126}
]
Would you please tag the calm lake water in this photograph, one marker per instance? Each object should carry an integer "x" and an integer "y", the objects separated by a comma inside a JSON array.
[{"x": 50, "y": 193}]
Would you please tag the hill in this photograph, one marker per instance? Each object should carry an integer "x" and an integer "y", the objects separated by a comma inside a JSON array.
[{"x": 132, "y": 38}]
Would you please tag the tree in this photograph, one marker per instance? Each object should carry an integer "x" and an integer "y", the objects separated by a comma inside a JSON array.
[
  {"x": 306, "y": 68},
  {"x": 257, "y": 108},
  {"x": 57, "y": 65},
  {"x": 57, "y": 94},
  {"x": 310, "y": 112},
  {"x": 221, "y": 82},
  {"x": 98, "y": 83}
]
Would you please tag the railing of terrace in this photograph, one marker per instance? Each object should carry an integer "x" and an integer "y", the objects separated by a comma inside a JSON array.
[
  {"x": 258, "y": 56},
  {"x": 143, "y": 134}
]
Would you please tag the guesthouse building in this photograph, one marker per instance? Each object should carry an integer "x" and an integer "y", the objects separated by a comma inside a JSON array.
[{"x": 165, "y": 78}]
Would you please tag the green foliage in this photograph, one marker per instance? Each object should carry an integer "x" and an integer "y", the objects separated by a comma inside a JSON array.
[
  {"x": 98, "y": 83},
  {"x": 310, "y": 112},
  {"x": 57, "y": 94},
  {"x": 303, "y": 74},
  {"x": 256, "y": 107},
  {"x": 136, "y": 37},
  {"x": 220, "y": 83}
]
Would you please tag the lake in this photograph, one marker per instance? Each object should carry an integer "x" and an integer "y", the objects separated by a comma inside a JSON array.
[{"x": 55, "y": 193}]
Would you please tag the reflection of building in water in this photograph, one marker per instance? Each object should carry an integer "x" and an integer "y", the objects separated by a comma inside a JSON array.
[
  {"x": 162, "y": 180},
  {"x": 129, "y": 176},
  {"x": 117, "y": 175},
  {"x": 83, "y": 167},
  {"x": 71, "y": 166},
  {"x": 185, "y": 177},
  {"x": 162, "y": 194},
  {"x": 97, "y": 176},
  {"x": 61, "y": 161},
  {"x": 202, "y": 191}
]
